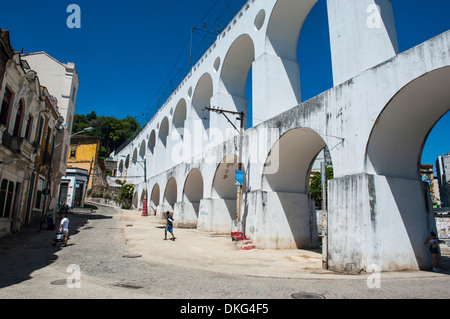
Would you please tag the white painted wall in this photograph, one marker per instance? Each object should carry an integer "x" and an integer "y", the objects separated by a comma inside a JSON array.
[{"x": 365, "y": 205}]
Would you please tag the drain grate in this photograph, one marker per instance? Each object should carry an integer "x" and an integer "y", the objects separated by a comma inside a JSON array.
[
  {"x": 131, "y": 256},
  {"x": 59, "y": 282},
  {"x": 127, "y": 285},
  {"x": 307, "y": 295}
]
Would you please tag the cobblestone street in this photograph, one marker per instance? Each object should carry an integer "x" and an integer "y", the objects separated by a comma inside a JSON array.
[{"x": 121, "y": 254}]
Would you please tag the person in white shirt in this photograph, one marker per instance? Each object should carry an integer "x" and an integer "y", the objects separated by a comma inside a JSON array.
[{"x": 64, "y": 228}]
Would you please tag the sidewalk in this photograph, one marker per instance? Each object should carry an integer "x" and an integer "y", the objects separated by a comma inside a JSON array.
[
  {"x": 206, "y": 251},
  {"x": 213, "y": 252}
]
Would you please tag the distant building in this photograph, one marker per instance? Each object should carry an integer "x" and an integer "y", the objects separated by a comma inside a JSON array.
[
  {"x": 427, "y": 174},
  {"x": 83, "y": 155},
  {"x": 443, "y": 176},
  {"x": 73, "y": 187}
]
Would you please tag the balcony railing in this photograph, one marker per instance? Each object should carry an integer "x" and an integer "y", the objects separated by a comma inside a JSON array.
[{"x": 17, "y": 145}]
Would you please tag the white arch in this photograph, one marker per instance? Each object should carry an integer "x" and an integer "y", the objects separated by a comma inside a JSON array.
[
  {"x": 290, "y": 161},
  {"x": 236, "y": 66},
  {"x": 170, "y": 193},
  {"x": 179, "y": 117},
  {"x": 193, "y": 189},
  {"x": 202, "y": 98},
  {"x": 397, "y": 139},
  {"x": 152, "y": 141},
  {"x": 284, "y": 26},
  {"x": 163, "y": 131}
]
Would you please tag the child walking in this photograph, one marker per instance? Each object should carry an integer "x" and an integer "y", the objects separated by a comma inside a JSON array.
[{"x": 169, "y": 226}]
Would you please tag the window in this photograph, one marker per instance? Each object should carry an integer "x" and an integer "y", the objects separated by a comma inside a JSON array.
[
  {"x": 6, "y": 198},
  {"x": 3, "y": 190},
  {"x": 7, "y": 100},
  {"x": 39, "y": 135},
  {"x": 39, "y": 194},
  {"x": 28, "y": 130},
  {"x": 73, "y": 152},
  {"x": 74, "y": 94},
  {"x": 19, "y": 116}
]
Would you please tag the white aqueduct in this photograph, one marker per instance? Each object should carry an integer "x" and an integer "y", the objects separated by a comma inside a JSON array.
[{"x": 375, "y": 121}]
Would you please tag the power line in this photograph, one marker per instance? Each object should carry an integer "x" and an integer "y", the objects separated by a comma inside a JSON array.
[{"x": 166, "y": 89}]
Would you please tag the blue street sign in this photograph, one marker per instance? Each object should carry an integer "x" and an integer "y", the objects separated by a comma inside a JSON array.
[{"x": 239, "y": 178}]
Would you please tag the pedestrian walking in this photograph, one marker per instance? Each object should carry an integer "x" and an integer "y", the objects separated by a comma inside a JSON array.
[
  {"x": 434, "y": 242},
  {"x": 169, "y": 226},
  {"x": 64, "y": 229},
  {"x": 63, "y": 210}
]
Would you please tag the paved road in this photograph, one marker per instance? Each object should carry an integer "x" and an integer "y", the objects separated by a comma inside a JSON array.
[{"x": 31, "y": 268}]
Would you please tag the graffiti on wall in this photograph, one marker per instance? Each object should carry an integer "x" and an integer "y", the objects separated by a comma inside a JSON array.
[{"x": 443, "y": 227}]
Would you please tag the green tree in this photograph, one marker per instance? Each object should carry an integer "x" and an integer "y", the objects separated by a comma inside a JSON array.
[
  {"x": 315, "y": 187},
  {"x": 126, "y": 195},
  {"x": 112, "y": 131}
]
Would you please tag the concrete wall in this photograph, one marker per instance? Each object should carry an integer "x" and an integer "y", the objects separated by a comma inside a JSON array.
[{"x": 374, "y": 124}]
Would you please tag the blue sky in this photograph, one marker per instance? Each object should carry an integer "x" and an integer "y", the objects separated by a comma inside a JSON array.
[{"x": 126, "y": 52}]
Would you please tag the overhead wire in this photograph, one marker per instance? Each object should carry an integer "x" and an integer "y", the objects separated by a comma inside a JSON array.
[{"x": 167, "y": 86}]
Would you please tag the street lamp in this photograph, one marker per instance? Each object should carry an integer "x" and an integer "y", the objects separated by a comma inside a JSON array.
[{"x": 88, "y": 129}]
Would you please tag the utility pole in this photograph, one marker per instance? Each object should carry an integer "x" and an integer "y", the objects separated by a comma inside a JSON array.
[
  {"x": 144, "y": 200},
  {"x": 237, "y": 232},
  {"x": 323, "y": 167}
]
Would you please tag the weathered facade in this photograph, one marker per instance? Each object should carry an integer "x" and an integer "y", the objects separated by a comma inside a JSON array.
[
  {"x": 28, "y": 118},
  {"x": 6, "y": 52},
  {"x": 374, "y": 121},
  {"x": 62, "y": 81},
  {"x": 30, "y": 122}
]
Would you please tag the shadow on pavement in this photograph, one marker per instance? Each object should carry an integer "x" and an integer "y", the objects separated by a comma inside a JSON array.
[{"x": 29, "y": 250}]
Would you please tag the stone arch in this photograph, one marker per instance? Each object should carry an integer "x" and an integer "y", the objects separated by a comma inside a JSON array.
[
  {"x": 236, "y": 65},
  {"x": 121, "y": 167},
  {"x": 390, "y": 197},
  {"x": 170, "y": 194},
  {"x": 223, "y": 187},
  {"x": 314, "y": 49},
  {"x": 127, "y": 161},
  {"x": 135, "y": 155},
  {"x": 285, "y": 182},
  {"x": 152, "y": 141},
  {"x": 155, "y": 197},
  {"x": 284, "y": 26},
  {"x": 289, "y": 162},
  {"x": 193, "y": 189},
  {"x": 135, "y": 201},
  {"x": 399, "y": 135},
  {"x": 164, "y": 131},
  {"x": 179, "y": 118},
  {"x": 201, "y": 99},
  {"x": 236, "y": 70},
  {"x": 142, "y": 149}
]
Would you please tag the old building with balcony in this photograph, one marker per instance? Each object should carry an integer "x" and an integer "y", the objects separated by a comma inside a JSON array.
[
  {"x": 20, "y": 104},
  {"x": 62, "y": 81},
  {"x": 29, "y": 123}
]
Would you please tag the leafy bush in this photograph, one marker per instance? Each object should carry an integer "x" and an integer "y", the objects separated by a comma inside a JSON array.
[{"x": 126, "y": 195}]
